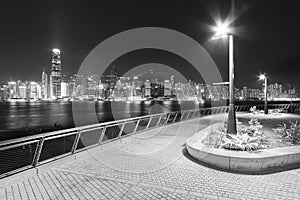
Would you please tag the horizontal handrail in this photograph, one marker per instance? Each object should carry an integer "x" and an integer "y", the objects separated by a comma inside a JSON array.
[{"x": 17, "y": 145}]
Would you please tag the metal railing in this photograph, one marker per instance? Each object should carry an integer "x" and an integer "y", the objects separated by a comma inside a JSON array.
[{"x": 23, "y": 153}]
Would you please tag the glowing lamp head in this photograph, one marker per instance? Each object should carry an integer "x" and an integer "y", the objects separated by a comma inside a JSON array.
[
  {"x": 262, "y": 77},
  {"x": 221, "y": 29},
  {"x": 56, "y": 51}
]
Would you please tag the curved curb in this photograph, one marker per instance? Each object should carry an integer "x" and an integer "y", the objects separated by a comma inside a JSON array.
[{"x": 241, "y": 161}]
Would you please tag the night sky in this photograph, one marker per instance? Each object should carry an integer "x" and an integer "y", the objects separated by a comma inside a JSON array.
[{"x": 267, "y": 34}]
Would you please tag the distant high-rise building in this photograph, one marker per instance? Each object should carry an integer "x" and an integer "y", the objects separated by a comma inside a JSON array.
[
  {"x": 18, "y": 88},
  {"x": 44, "y": 85},
  {"x": 110, "y": 81},
  {"x": 92, "y": 85},
  {"x": 71, "y": 87},
  {"x": 4, "y": 93},
  {"x": 172, "y": 81},
  {"x": 28, "y": 90},
  {"x": 12, "y": 87},
  {"x": 22, "y": 91},
  {"x": 55, "y": 77},
  {"x": 245, "y": 92},
  {"x": 35, "y": 90},
  {"x": 64, "y": 87},
  {"x": 147, "y": 88},
  {"x": 167, "y": 88}
]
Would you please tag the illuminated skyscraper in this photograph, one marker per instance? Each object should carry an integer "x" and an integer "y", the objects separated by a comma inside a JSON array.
[
  {"x": 110, "y": 81},
  {"x": 147, "y": 88},
  {"x": 44, "y": 86},
  {"x": 167, "y": 88},
  {"x": 22, "y": 90},
  {"x": 55, "y": 77},
  {"x": 172, "y": 81},
  {"x": 64, "y": 87},
  {"x": 12, "y": 87}
]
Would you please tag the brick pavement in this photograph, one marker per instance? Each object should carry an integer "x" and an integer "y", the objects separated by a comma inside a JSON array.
[{"x": 151, "y": 165}]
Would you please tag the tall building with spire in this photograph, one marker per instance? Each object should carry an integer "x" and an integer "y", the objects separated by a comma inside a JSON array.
[{"x": 55, "y": 76}]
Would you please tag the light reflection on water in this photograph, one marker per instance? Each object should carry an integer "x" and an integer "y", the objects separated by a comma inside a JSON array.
[{"x": 23, "y": 118}]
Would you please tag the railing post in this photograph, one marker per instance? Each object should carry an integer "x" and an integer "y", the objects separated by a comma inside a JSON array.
[
  {"x": 207, "y": 111},
  {"x": 223, "y": 110},
  {"x": 175, "y": 117},
  {"x": 168, "y": 116},
  {"x": 102, "y": 135},
  {"x": 187, "y": 117},
  {"x": 77, "y": 138},
  {"x": 38, "y": 152},
  {"x": 182, "y": 114},
  {"x": 193, "y": 115},
  {"x": 159, "y": 120},
  {"x": 121, "y": 130},
  {"x": 136, "y": 126},
  {"x": 149, "y": 122}
]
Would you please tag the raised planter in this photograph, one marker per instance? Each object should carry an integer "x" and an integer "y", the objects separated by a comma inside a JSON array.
[{"x": 241, "y": 161}]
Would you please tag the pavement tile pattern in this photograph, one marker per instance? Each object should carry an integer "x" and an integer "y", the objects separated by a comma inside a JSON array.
[{"x": 151, "y": 165}]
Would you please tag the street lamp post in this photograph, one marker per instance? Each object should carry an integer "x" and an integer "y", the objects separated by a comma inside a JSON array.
[
  {"x": 263, "y": 77},
  {"x": 231, "y": 125},
  {"x": 222, "y": 31}
]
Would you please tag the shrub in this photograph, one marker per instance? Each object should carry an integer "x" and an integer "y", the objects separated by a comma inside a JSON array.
[
  {"x": 244, "y": 142},
  {"x": 215, "y": 137},
  {"x": 248, "y": 138},
  {"x": 289, "y": 134}
]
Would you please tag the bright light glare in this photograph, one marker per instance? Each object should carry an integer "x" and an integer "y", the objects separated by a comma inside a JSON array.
[
  {"x": 262, "y": 77},
  {"x": 222, "y": 29},
  {"x": 57, "y": 51}
]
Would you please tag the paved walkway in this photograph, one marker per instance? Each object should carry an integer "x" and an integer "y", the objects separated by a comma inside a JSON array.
[{"x": 151, "y": 165}]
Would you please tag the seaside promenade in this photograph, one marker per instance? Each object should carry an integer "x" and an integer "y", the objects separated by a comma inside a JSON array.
[{"x": 149, "y": 165}]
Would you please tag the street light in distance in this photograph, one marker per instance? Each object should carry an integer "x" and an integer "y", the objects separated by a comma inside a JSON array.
[{"x": 264, "y": 77}]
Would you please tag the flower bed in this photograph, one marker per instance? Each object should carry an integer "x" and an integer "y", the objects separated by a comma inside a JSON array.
[{"x": 208, "y": 145}]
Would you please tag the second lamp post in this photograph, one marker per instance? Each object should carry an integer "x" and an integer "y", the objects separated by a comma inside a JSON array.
[{"x": 263, "y": 77}]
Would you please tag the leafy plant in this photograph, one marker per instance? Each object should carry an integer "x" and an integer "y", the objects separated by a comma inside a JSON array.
[
  {"x": 241, "y": 143},
  {"x": 289, "y": 134},
  {"x": 215, "y": 137},
  {"x": 248, "y": 138}
]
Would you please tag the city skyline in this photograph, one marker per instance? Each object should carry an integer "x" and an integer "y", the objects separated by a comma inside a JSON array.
[
  {"x": 159, "y": 99},
  {"x": 263, "y": 44},
  {"x": 148, "y": 71},
  {"x": 110, "y": 86}
]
